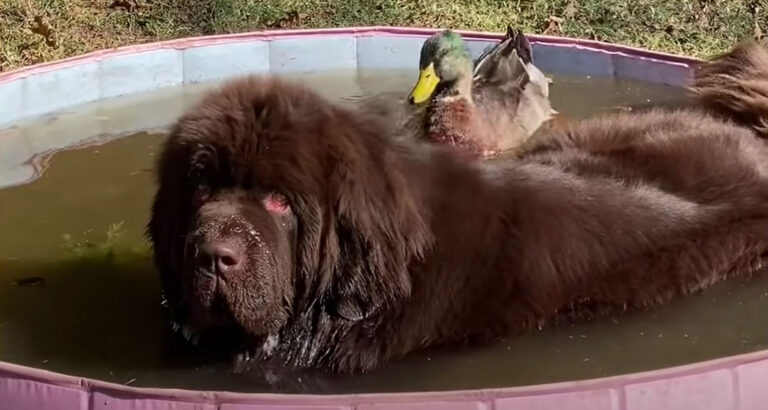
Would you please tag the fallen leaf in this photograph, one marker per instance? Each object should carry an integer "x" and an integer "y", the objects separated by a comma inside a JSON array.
[
  {"x": 43, "y": 28},
  {"x": 290, "y": 20},
  {"x": 129, "y": 5},
  {"x": 553, "y": 26}
]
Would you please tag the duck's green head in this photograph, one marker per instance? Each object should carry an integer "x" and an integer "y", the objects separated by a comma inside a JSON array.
[{"x": 444, "y": 59}]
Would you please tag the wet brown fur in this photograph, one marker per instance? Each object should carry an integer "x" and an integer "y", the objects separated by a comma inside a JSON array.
[
  {"x": 736, "y": 86},
  {"x": 396, "y": 246}
]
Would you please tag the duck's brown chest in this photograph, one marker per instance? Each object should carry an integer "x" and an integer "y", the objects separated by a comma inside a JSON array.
[{"x": 452, "y": 121}]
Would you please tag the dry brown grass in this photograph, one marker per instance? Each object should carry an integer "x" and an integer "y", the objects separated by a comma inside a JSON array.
[{"x": 33, "y": 31}]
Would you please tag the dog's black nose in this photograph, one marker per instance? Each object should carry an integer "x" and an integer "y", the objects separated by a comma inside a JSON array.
[{"x": 221, "y": 257}]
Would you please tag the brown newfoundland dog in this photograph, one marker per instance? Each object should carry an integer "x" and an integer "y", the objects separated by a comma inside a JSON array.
[{"x": 328, "y": 242}]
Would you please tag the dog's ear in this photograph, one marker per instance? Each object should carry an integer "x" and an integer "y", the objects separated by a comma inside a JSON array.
[
  {"x": 170, "y": 215},
  {"x": 378, "y": 229}
]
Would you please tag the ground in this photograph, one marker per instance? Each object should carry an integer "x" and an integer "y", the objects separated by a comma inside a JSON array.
[{"x": 34, "y": 31}]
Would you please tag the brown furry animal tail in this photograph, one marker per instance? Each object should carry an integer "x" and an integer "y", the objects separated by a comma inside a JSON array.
[{"x": 735, "y": 85}]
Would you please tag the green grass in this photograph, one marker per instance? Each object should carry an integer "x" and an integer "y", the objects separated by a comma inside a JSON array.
[
  {"x": 34, "y": 31},
  {"x": 103, "y": 251}
]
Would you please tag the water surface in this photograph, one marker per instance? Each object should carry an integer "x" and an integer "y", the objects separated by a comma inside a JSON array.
[{"x": 88, "y": 302}]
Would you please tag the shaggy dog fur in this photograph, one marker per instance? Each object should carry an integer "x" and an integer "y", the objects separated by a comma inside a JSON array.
[{"x": 329, "y": 243}]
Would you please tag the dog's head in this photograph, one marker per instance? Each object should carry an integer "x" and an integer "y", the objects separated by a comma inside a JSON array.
[{"x": 272, "y": 200}]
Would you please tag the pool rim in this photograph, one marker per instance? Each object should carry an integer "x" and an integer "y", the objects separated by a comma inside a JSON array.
[
  {"x": 735, "y": 380},
  {"x": 189, "y": 42}
]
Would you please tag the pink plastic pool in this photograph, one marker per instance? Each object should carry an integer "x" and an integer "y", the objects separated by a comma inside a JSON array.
[{"x": 737, "y": 382}]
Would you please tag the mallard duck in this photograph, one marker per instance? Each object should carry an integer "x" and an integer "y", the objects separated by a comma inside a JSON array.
[{"x": 486, "y": 106}]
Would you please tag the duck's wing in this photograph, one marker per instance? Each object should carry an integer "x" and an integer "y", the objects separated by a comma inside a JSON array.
[
  {"x": 505, "y": 61},
  {"x": 521, "y": 44},
  {"x": 510, "y": 91},
  {"x": 505, "y": 70}
]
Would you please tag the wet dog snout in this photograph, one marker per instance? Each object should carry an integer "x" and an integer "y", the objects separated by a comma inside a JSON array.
[{"x": 221, "y": 257}]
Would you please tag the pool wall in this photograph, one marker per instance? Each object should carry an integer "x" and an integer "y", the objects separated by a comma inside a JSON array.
[
  {"x": 46, "y": 91},
  {"x": 55, "y": 90}
]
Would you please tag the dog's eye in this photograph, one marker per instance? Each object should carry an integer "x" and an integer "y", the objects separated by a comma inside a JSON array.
[
  {"x": 276, "y": 203},
  {"x": 197, "y": 174}
]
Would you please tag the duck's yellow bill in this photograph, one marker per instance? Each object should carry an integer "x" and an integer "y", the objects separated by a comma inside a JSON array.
[{"x": 428, "y": 81}]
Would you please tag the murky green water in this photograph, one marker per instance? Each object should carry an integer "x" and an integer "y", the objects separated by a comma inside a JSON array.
[{"x": 89, "y": 305}]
